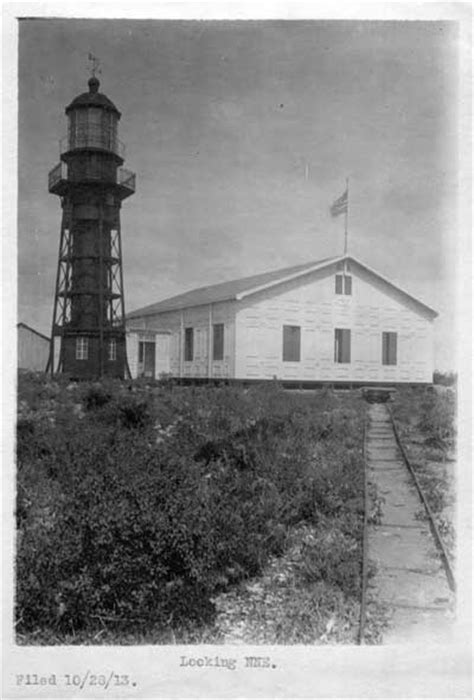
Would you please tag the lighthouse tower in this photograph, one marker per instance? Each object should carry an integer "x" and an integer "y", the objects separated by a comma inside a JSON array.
[{"x": 88, "y": 330}]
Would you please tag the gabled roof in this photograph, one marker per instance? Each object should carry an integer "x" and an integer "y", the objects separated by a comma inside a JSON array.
[
  {"x": 243, "y": 287},
  {"x": 29, "y": 328},
  {"x": 225, "y": 291}
]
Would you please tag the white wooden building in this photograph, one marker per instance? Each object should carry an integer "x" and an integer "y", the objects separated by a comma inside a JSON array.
[
  {"x": 33, "y": 348},
  {"x": 335, "y": 320}
]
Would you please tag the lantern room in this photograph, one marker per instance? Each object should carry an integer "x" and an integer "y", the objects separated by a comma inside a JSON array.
[{"x": 92, "y": 122}]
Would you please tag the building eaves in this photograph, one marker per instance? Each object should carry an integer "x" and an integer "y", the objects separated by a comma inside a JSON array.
[
  {"x": 289, "y": 277},
  {"x": 244, "y": 287},
  {"x": 32, "y": 330},
  {"x": 224, "y": 291},
  {"x": 393, "y": 285}
]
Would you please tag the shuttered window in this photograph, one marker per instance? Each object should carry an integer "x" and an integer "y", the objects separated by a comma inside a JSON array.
[
  {"x": 389, "y": 348},
  {"x": 342, "y": 345},
  {"x": 343, "y": 284},
  {"x": 218, "y": 342},
  {"x": 188, "y": 344},
  {"x": 112, "y": 349},
  {"x": 82, "y": 348},
  {"x": 291, "y": 343}
]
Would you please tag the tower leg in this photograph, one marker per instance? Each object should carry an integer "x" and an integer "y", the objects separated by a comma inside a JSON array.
[
  {"x": 62, "y": 284},
  {"x": 117, "y": 277},
  {"x": 102, "y": 349}
]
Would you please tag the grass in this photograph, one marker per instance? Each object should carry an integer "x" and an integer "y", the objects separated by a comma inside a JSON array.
[
  {"x": 291, "y": 603},
  {"x": 427, "y": 421},
  {"x": 164, "y": 514}
]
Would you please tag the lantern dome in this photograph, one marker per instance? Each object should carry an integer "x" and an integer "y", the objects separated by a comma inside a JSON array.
[
  {"x": 93, "y": 98},
  {"x": 93, "y": 122}
]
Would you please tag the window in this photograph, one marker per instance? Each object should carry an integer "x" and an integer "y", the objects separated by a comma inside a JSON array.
[
  {"x": 218, "y": 342},
  {"x": 112, "y": 349},
  {"x": 389, "y": 348},
  {"x": 342, "y": 345},
  {"x": 291, "y": 343},
  {"x": 188, "y": 344},
  {"x": 82, "y": 348},
  {"x": 343, "y": 284}
]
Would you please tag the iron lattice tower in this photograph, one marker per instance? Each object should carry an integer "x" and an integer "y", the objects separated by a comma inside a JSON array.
[{"x": 88, "y": 329}]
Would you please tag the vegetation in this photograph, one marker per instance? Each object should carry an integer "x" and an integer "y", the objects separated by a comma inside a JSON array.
[
  {"x": 430, "y": 413},
  {"x": 445, "y": 378},
  {"x": 427, "y": 421},
  {"x": 139, "y": 506}
]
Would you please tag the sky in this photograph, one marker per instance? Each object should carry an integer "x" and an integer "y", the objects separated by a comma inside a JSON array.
[{"x": 242, "y": 134}]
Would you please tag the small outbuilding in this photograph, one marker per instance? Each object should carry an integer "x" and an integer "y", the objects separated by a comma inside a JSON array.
[
  {"x": 335, "y": 320},
  {"x": 33, "y": 348}
]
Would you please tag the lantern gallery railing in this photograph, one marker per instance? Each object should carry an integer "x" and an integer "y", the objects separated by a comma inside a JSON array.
[
  {"x": 92, "y": 138},
  {"x": 125, "y": 178},
  {"x": 58, "y": 173}
]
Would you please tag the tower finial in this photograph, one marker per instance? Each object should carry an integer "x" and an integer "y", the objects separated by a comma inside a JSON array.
[
  {"x": 95, "y": 65},
  {"x": 94, "y": 68}
]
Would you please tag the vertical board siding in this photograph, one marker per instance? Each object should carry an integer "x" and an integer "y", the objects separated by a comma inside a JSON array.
[
  {"x": 33, "y": 350},
  {"x": 162, "y": 354},
  {"x": 253, "y": 333},
  {"x": 198, "y": 319},
  {"x": 131, "y": 342}
]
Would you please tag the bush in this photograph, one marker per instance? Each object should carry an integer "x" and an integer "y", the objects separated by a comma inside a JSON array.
[
  {"x": 140, "y": 510},
  {"x": 437, "y": 417},
  {"x": 127, "y": 528},
  {"x": 96, "y": 396},
  {"x": 430, "y": 410},
  {"x": 445, "y": 378}
]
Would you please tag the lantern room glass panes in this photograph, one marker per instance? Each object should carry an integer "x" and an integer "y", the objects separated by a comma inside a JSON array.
[{"x": 92, "y": 127}]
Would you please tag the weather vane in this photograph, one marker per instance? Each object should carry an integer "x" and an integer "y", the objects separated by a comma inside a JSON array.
[{"x": 94, "y": 65}]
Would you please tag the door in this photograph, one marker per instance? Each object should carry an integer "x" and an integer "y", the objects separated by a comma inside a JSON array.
[{"x": 146, "y": 358}]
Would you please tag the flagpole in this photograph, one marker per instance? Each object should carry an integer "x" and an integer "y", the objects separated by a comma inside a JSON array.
[{"x": 346, "y": 217}]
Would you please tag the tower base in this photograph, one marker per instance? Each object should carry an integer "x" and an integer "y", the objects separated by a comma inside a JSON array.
[{"x": 82, "y": 360}]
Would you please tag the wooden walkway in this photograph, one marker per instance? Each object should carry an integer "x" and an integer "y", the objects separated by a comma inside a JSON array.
[{"x": 410, "y": 579}]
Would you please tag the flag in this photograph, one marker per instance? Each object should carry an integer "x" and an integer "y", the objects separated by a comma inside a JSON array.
[{"x": 340, "y": 205}]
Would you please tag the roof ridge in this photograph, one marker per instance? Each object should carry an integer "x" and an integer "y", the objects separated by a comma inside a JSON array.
[
  {"x": 250, "y": 280},
  {"x": 239, "y": 288},
  {"x": 33, "y": 330}
]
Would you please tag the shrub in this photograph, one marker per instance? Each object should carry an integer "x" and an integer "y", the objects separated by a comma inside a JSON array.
[
  {"x": 445, "y": 378},
  {"x": 96, "y": 396},
  {"x": 334, "y": 558},
  {"x": 154, "y": 500},
  {"x": 126, "y": 529},
  {"x": 437, "y": 417}
]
